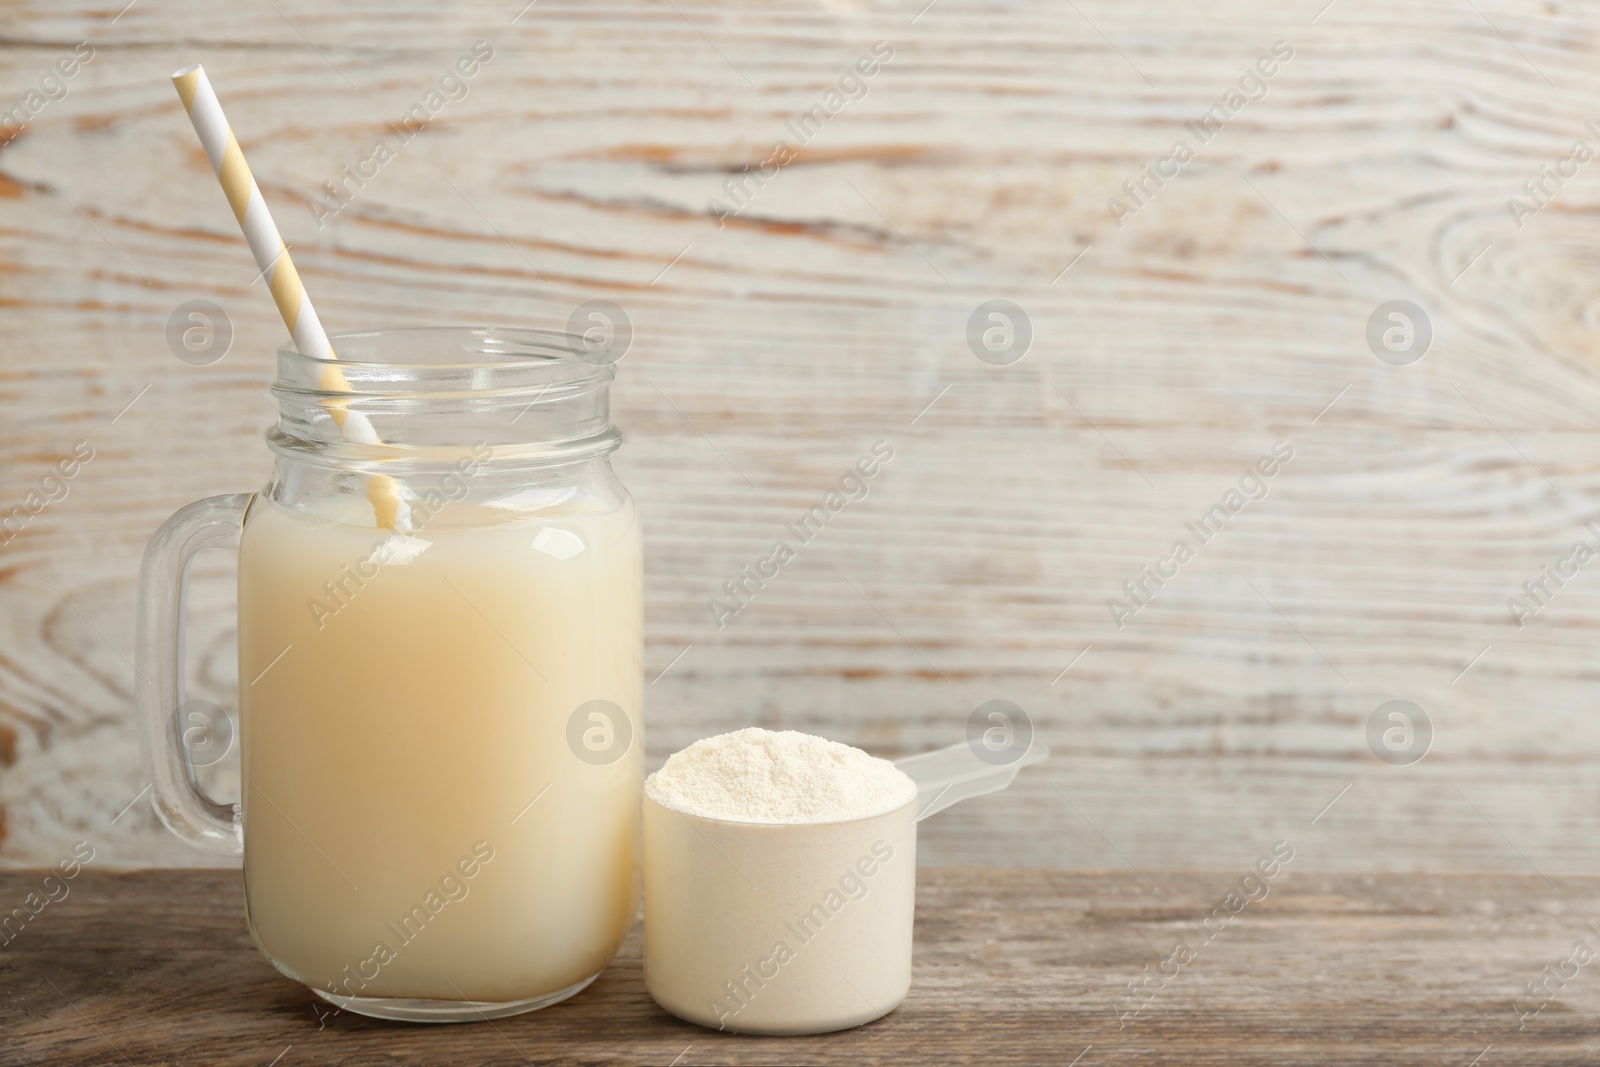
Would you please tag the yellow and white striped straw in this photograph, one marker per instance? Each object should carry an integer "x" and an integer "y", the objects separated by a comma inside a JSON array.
[{"x": 267, "y": 246}]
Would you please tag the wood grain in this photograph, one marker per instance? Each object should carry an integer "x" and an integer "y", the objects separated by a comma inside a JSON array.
[
  {"x": 1011, "y": 967},
  {"x": 770, "y": 352}
]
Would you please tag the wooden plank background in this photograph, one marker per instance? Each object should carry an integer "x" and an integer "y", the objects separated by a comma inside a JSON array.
[{"x": 770, "y": 352}]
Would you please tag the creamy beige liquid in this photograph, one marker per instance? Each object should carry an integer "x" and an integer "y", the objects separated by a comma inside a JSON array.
[{"x": 391, "y": 754}]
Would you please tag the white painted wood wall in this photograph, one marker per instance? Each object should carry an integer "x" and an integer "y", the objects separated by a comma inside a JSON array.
[{"x": 1227, "y": 314}]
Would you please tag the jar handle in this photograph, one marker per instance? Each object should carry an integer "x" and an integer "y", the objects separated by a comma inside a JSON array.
[{"x": 158, "y": 656}]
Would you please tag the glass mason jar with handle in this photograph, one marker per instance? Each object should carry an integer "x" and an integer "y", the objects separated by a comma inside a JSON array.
[{"x": 440, "y": 720}]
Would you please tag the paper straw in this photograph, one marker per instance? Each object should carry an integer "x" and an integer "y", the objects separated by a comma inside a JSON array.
[{"x": 271, "y": 255}]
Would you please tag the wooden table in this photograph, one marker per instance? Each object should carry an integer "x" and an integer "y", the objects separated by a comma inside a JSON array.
[{"x": 1012, "y": 967}]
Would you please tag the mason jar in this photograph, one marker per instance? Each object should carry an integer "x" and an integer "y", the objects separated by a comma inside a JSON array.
[{"x": 439, "y": 619}]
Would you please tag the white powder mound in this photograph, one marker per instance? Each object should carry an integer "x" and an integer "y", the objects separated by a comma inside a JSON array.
[{"x": 757, "y": 775}]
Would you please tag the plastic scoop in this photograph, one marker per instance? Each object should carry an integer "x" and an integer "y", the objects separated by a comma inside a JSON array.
[
  {"x": 753, "y": 928},
  {"x": 956, "y": 772}
]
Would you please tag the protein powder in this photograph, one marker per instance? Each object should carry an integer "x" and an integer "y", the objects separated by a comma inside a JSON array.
[{"x": 758, "y": 775}]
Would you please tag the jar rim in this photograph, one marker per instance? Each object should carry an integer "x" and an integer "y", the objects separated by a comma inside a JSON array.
[
  {"x": 538, "y": 397},
  {"x": 441, "y": 348}
]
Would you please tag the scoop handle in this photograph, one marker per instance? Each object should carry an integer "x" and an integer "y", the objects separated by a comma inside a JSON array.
[{"x": 955, "y": 773}]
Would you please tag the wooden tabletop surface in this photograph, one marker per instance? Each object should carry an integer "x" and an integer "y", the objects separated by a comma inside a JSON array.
[{"x": 1012, "y": 967}]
